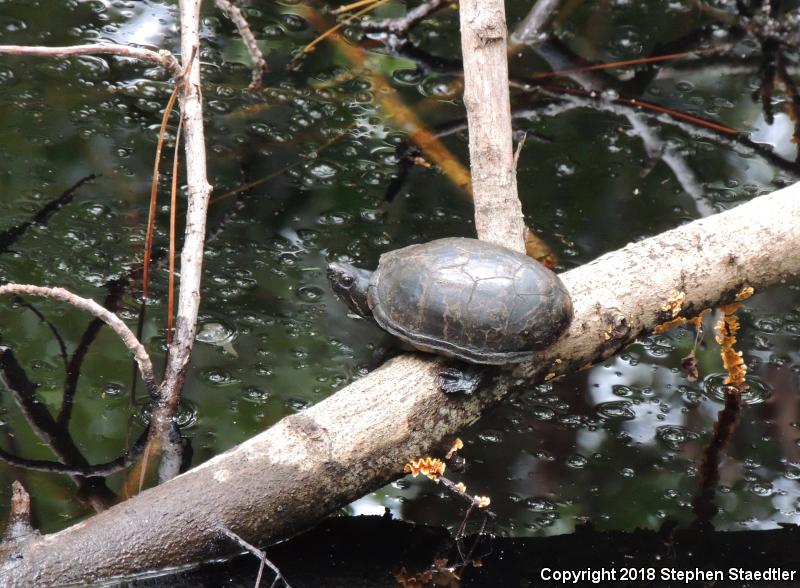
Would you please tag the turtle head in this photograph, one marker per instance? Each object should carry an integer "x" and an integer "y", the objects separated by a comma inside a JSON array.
[{"x": 350, "y": 286}]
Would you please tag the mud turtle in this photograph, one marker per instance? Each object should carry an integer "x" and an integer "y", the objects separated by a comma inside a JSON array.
[{"x": 462, "y": 298}]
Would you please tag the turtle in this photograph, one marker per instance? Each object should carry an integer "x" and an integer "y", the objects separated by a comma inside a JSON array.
[{"x": 475, "y": 302}]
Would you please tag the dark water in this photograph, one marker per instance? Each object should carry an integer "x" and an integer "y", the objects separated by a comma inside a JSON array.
[{"x": 618, "y": 445}]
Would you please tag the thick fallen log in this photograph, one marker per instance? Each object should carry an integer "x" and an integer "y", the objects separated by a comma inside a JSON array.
[{"x": 289, "y": 477}]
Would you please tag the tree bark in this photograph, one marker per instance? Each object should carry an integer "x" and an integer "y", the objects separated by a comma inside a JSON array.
[
  {"x": 311, "y": 463},
  {"x": 498, "y": 213}
]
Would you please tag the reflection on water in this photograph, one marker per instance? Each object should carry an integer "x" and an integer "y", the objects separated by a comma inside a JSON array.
[{"x": 618, "y": 445}]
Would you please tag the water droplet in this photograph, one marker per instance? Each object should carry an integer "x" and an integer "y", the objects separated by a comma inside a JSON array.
[
  {"x": 768, "y": 324},
  {"x": 256, "y": 395},
  {"x": 792, "y": 472},
  {"x": 491, "y": 436},
  {"x": 297, "y": 404},
  {"x": 623, "y": 391},
  {"x": 539, "y": 504},
  {"x": 407, "y": 77},
  {"x": 616, "y": 410},
  {"x": 219, "y": 377},
  {"x": 675, "y": 436},
  {"x": 792, "y": 328},
  {"x": 293, "y": 22},
  {"x": 273, "y": 32},
  {"x": 112, "y": 389},
  {"x": 6, "y": 76},
  {"x": 763, "y": 489},
  {"x": 441, "y": 87},
  {"x": 334, "y": 218},
  {"x": 542, "y": 413},
  {"x": 570, "y": 419},
  {"x": 658, "y": 345},
  {"x": 310, "y": 293},
  {"x": 565, "y": 169},
  {"x": 322, "y": 170},
  {"x": 576, "y": 461}
]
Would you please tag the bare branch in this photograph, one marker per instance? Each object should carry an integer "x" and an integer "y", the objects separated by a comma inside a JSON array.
[
  {"x": 262, "y": 555},
  {"x": 194, "y": 237},
  {"x": 259, "y": 63},
  {"x": 498, "y": 212},
  {"x": 403, "y": 25},
  {"x": 93, "y": 308},
  {"x": 163, "y": 58}
]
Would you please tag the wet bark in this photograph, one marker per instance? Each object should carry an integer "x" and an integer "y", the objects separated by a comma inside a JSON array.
[{"x": 357, "y": 440}]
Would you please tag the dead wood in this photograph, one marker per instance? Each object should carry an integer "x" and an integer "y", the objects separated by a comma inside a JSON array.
[
  {"x": 109, "y": 318},
  {"x": 163, "y": 58},
  {"x": 498, "y": 213}
]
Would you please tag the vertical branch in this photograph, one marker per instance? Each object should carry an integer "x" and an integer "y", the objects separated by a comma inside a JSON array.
[
  {"x": 498, "y": 213},
  {"x": 199, "y": 191}
]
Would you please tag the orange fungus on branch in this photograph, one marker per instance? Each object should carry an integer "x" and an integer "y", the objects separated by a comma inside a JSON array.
[{"x": 431, "y": 467}]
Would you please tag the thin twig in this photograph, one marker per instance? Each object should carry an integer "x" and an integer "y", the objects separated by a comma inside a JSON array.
[
  {"x": 54, "y": 436},
  {"x": 172, "y": 225},
  {"x": 163, "y": 58},
  {"x": 79, "y": 469},
  {"x": 339, "y": 25},
  {"x": 151, "y": 215},
  {"x": 59, "y": 339},
  {"x": 453, "y": 487},
  {"x": 682, "y": 55},
  {"x": 115, "y": 290},
  {"x": 518, "y": 150},
  {"x": 259, "y": 63},
  {"x": 404, "y": 24},
  {"x": 9, "y": 236},
  {"x": 262, "y": 555},
  {"x": 93, "y": 308},
  {"x": 352, "y": 6},
  {"x": 249, "y": 185}
]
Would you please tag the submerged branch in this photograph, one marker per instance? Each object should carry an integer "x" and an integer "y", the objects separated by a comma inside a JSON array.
[{"x": 93, "y": 308}]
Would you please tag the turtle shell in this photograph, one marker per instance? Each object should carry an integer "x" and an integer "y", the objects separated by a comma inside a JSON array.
[{"x": 469, "y": 299}]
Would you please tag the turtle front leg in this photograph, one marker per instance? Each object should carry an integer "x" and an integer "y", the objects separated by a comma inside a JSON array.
[{"x": 460, "y": 377}]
